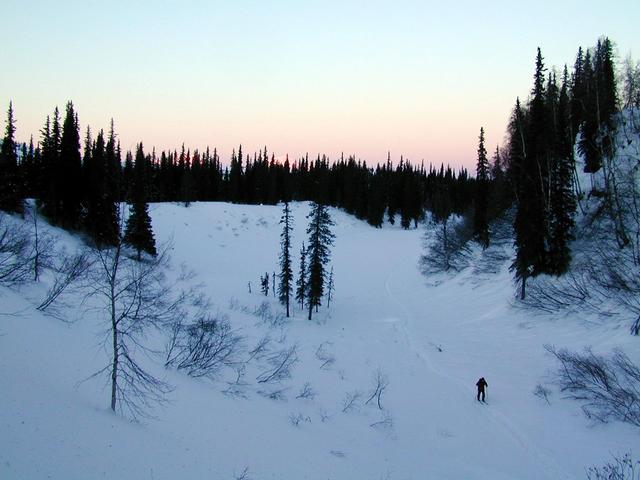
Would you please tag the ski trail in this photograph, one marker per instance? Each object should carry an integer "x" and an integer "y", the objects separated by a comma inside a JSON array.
[{"x": 548, "y": 463}]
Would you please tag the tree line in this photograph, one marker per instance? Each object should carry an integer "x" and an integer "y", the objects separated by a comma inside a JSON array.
[{"x": 79, "y": 182}]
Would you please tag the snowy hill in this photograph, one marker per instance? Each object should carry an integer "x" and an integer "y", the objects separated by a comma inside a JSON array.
[{"x": 431, "y": 342}]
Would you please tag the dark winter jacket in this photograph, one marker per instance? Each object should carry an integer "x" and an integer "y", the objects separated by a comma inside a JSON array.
[{"x": 481, "y": 384}]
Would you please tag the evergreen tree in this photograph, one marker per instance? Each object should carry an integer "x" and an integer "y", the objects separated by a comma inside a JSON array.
[
  {"x": 235, "y": 177},
  {"x": 11, "y": 197},
  {"x": 286, "y": 274},
  {"x": 264, "y": 284},
  {"x": 588, "y": 144},
  {"x": 531, "y": 158},
  {"x": 102, "y": 219},
  {"x": 563, "y": 201},
  {"x": 138, "y": 230},
  {"x": 480, "y": 216},
  {"x": 69, "y": 174},
  {"x": 320, "y": 241},
  {"x": 301, "y": 283},
  {"x": 330, "y": 288},
  {"x": 578, "y": 93},
  {"x": 518, "y": 164}
]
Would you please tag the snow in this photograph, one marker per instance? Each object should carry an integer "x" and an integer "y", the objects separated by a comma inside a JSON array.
[{"x": 432, "y": 340}]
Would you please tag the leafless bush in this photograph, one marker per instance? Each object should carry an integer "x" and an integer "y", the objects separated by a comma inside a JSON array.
[
  {"x": 16, "y": 254},
  {"x": 572, "y": 291},
  {"x": 280, "y": 363},
  {"x": 384, "y": 423},
  {"x": 202, "y": 348},
  {"x": 277, "y": 394},
  {"x": 380, "y": 384},
  {"x": 244, "y": 475},
  {"x": 260, "y": 350},
  {"x": 325, "y": 356},
  {"x": 620, "y": 468},
  {"x": 296, "y": 418},
  {"x": 43, "y": 246},
  {"x": 237, "y": 388},
  {"x": 324, "y": 415},
  {"x": 449, "y": 250},
  {"x": 307, "y": 392},
  {"x": 69, "y": 270},
  {"x": 609, "y": 388},
  {"x": 267, "y": 316},
  {"x": 351, "y": 401},
  {"x": 542, "y": 392}
]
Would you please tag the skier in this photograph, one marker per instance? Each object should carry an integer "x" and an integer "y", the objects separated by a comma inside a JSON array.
[{"x": 481, "y": 384}]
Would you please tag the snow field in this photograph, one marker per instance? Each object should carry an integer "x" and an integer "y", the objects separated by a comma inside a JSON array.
[{"x": 431, "y": 342}]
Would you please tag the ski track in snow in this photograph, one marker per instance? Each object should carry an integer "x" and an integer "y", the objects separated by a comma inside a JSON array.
[{"x": 550, "y": 465}]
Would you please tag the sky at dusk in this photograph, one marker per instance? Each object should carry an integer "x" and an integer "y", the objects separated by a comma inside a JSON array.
[{"x": 417, "y": 78}]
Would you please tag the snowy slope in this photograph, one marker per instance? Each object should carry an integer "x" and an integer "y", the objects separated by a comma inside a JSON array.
[{"x": 432, "y": 342}]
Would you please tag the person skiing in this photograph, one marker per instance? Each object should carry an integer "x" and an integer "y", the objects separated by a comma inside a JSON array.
[{"x": 481, "y": 384}]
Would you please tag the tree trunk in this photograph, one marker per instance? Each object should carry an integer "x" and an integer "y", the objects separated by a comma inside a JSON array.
[
  {"x": 114, "y": 328},
  {"x": 522, "y": 288}
]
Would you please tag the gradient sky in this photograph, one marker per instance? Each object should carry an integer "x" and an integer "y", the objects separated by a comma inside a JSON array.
[{"x": 417, "y": 78}]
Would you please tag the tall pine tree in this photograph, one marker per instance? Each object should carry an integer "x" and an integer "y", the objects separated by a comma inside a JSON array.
[
  {"x": 320, "y": 240},
  {"x": 70, "y": 171},
  {"x": 563, "y": 201},
  {"x": 11, "y": 199},
  {"x": 480, "y": 215},
  {"x": 301, "y": 283},
  {"x": 286, "y": 274},
  {"x": 138, "y": 231}
]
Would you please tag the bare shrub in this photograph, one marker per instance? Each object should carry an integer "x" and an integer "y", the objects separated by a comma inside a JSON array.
[
  {"x": 608, "y": 388},
  {"x": 244, "y": 475},
  {"x": 69, "y": 270},
  {"x": 542, "y": 392},
  {"x": 620, "y": 468},
  {"x": 296, "y": 418},
  {"x": 307, "y": 392},
  {"x": 15, "y": 251},
  {"x": 203, "y": 347},
  {"x": 277, "y": 394},
  {"x": 260, "y": 350},
  {"x": 380, "y": 384},
  {"x": 237, "y": 387},
  {"x": 281, "y": 363},
  {"x": 384, "y": 423},
  {"x": 267, "y": 316},
  {"x": 449, "y": 249},
  {"x": 326, "y": 358},
  {"x": 351, "y": 401}
]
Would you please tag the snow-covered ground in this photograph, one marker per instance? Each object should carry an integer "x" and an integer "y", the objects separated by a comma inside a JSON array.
[{"x": 431, "y": 341}]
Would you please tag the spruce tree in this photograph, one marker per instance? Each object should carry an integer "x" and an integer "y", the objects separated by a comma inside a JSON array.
[
  {"x": 69, "y": 175},
  {"x": 11, "y": 199},
  {"x": 530, "y": 156},
  {"x": 102, "y": 216},
  {"x": 578, "y": 93},
  {"x": 588, "y": 146},
  {"x": 480, "y": 215},
  {"x": 320, "y": 241},
  {"x": 518, "y": 164},
  {"x": 301, "y": 283},
  {"x": 138, "y": 230},
  {"x": 563, "y": 201},
  {"x": 331, "y": 286},
  {"x": 285, "y": 285}
]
